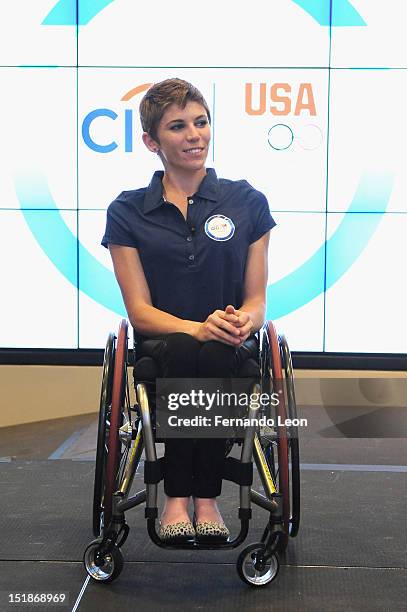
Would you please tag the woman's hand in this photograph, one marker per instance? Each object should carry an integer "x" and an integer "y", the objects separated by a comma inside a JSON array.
[
  {"x": 218, "y": 326},
  {"x": 242, "y": 321},
  {"x": 229, "y": 326}
]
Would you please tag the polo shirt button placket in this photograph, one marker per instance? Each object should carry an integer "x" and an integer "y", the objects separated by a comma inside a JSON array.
[{"x": 191, "y": 257}]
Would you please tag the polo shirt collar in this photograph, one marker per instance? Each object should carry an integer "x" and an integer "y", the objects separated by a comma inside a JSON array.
[{"x": 208, "y": 189}]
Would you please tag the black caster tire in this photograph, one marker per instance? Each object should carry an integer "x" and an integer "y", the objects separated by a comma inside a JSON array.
[
  {"x": 247, "y": 571},
  {"x": 112, "y": 563}
]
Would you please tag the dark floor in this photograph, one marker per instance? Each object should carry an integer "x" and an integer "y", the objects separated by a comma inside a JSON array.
[
  {"x": 36, "y": 441},
  {"x": 350, "y": 553}
]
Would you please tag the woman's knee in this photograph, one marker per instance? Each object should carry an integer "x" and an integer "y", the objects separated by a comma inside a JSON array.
[
  {"x": 216, "y": 359},
  {"x": 179, "y": 355},
  {"x": 180, "y": 341}
]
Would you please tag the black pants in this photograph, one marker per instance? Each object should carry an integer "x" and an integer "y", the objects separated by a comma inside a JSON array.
[{"x": 195, "y": 466}]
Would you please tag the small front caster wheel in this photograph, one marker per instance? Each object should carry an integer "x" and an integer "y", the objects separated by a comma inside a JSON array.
[
  {"x": 102, "y": 568},
  {"x": 253, "y": 569}
]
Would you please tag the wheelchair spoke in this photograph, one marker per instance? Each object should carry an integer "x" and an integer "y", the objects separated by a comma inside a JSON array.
[{"x": 122, "y": 466}]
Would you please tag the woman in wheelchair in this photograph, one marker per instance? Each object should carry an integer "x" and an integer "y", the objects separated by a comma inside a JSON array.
[{"x": 190, "y": 255}]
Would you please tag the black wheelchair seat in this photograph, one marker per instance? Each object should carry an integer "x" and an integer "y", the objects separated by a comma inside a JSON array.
[{"x": 146, "y": 369}]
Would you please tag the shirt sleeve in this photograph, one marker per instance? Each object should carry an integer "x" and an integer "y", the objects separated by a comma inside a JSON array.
[
  {"x": 262, "y": 219},
  {"x": 117, "y": 224}
]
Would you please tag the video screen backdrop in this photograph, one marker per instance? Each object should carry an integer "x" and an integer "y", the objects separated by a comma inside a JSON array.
[{"x": 308, "y": 102}]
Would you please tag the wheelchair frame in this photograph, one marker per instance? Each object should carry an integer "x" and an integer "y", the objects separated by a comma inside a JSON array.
[{"x": 121, "y": 441}]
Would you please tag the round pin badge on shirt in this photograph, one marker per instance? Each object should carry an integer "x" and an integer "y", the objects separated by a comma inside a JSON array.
[{"x": 219, "y": 227}]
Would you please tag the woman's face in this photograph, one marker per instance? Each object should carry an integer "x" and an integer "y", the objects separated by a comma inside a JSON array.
[{"x": 184, "y": 135}]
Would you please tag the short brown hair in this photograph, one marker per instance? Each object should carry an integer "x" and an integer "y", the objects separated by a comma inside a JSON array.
[{"x": 161, "y": 95}]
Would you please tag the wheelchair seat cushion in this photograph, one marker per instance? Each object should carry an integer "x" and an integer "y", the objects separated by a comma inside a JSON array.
[{"x": 146, "y": 369}]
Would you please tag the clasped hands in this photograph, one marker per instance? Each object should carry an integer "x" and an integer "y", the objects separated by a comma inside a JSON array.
[{"x": 230, "y": 326}]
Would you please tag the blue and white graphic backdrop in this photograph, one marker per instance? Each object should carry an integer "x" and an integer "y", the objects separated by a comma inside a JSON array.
[{"x": 308, "y": 99}]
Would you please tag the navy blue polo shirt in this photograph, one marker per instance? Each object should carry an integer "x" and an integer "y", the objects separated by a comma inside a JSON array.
[{"x": 197, "y": 265}]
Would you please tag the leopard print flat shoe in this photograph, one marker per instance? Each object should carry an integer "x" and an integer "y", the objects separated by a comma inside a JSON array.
[
  {"x": 177, "y": 532},
  {"x": 211, "y": 531}
]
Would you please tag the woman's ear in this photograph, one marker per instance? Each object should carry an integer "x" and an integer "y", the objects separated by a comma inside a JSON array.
[{"x": 151, "y": 144}]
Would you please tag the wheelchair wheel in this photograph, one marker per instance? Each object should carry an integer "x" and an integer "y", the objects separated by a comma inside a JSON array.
[
  {"x": 102, "y": 568},
  {"x": 282, "y": 448},
  {"x": 293, "y": 440},
  {"x": 111, "y": 454},
  {"x": 275, "y": 443},
  {"x": 253, "y": 569},
  {"x": 101, "y": 450}
]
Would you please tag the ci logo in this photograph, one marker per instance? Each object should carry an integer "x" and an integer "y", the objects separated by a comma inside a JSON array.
[{"x": 98, "y": 113}]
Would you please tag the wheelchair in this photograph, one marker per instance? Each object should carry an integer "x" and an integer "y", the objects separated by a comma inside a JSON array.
[{"x": 125, "y": 430}]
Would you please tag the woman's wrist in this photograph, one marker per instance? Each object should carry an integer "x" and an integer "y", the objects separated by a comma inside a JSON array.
[
  {"x": 256, "y": 315},
  {"x": 192, "y": 328}
]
